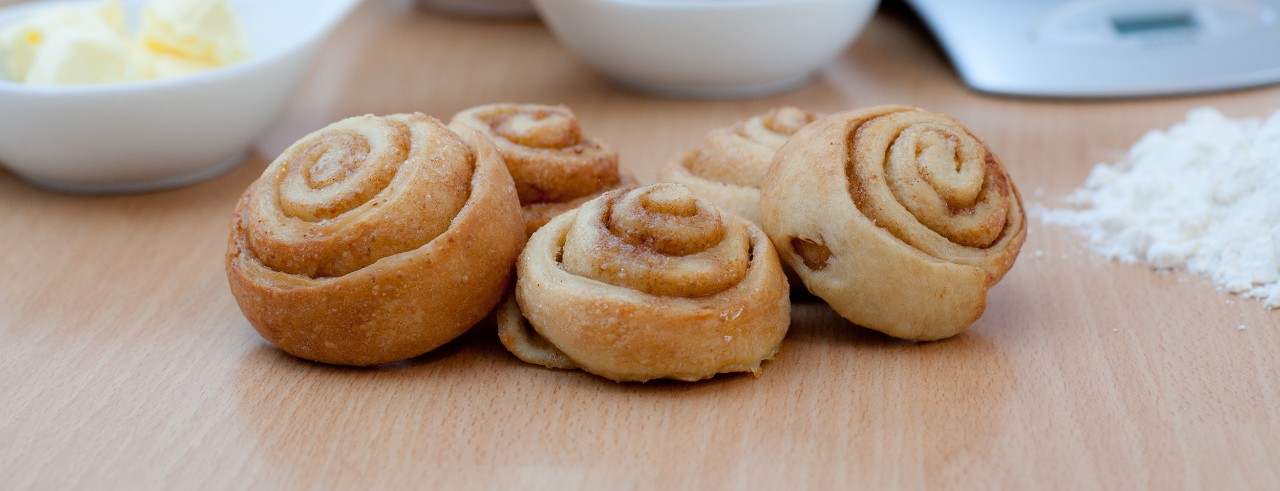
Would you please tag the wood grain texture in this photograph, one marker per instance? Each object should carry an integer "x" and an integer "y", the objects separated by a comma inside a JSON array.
[{"x": 125, "y": 363}]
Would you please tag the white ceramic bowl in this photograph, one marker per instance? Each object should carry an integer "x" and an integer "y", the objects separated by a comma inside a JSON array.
[
  {"x": 158, "y": 134},
  {"x": 707, "y": 48}
]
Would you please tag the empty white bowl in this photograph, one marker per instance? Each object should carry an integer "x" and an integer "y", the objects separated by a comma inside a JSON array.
[
  {"x": 706, "y": 48},
  {"x": 158, "y": 134}
]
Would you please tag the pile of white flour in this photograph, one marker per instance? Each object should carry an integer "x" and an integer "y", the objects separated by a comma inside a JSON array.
[{"x": 1204, "y": 195}]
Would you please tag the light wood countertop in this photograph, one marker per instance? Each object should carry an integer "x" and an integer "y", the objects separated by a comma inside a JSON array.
[{"x": 125, "y": 362}]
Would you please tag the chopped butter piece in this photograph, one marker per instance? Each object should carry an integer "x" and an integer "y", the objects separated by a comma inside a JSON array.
[
  {"x": 149, "y": 65},
  {"x": 80, "y": 57},
  {"x": 202, "y": 32},
  {"x": 73, "y": 31}
]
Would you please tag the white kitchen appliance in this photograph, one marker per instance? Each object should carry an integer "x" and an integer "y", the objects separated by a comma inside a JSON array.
[{"x": 1108, "y": 48}]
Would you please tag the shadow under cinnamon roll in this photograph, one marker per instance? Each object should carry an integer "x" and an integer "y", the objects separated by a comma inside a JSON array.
[
  {"x": 374, "y": 239},
  {"x": 648, "y": 283},
  {"x": 899, "y": 218},
  {"x": 555, "y": 166}
]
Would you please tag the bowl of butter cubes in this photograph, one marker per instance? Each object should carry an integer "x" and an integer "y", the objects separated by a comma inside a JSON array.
[{"x": 126, "y": 96}]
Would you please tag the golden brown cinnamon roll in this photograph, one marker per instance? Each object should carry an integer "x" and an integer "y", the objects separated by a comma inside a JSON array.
[
  {"x": 899, "y": 218},
  {"x": 648, "y": 283},
  {"x": 726, "y": 170},
  {"x": 374, "y": 239},
  {"x": 555, "y": 166}
]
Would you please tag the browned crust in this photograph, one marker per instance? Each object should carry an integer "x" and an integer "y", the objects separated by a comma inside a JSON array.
[
  {"x": 404, "y": 304},
  {"x": 555, "y": 168}
]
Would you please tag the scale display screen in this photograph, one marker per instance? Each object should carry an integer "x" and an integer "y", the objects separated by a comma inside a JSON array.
[{"x": 1131, "y": 25}]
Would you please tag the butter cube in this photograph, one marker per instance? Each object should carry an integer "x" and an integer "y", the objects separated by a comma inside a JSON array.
[
  {"x": 80, "y": 57},
  {"x": 204, "y": 32},
  {"x": 22, "y": 43}
]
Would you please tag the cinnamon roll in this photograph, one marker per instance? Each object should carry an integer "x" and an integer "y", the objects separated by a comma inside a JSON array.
[
  {"x": 727, "y": 169},
  {"x": 374, "y": 239},
  {"x": 899, "y": 218},
  {"x": 555, "y": 166},
  {"x": 648, "y": 283}
]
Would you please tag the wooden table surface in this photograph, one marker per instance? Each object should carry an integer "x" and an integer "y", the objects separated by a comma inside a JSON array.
[{"x": 125, "y": 362}]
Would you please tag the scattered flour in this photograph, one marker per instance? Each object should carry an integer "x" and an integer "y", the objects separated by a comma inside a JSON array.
[{"x": 1204, "y": 195}]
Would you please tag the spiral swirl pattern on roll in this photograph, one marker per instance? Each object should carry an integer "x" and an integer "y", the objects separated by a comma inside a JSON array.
[
  {"x": 556, "y": 167},
  {"x": 648, "y": 283},
  {"x": 660, "y": 240},
  {"x": 341, "y": 199},
  {"x": 332, "y": 245},
  {"x": 920, "y": 219},
  {"x": 931, "y": 183},
  {"x": 728, "y": 167}
]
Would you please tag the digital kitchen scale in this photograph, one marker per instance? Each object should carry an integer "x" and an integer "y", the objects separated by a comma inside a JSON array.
[{"x": 1108, "y": 48}]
